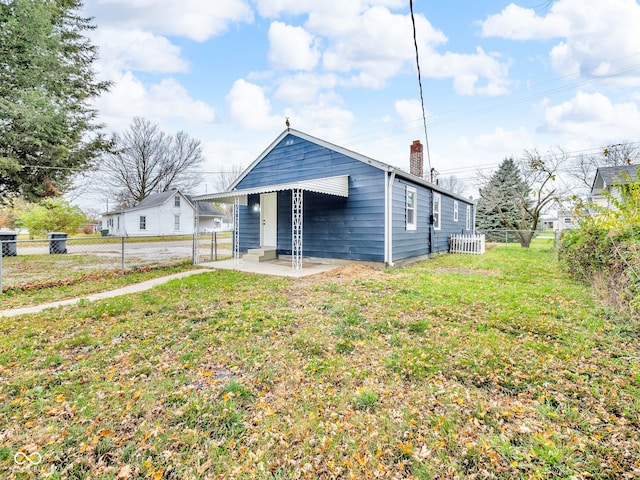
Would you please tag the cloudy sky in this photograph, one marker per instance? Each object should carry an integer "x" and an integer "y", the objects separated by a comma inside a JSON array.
[{"x": 498, "y": 77}]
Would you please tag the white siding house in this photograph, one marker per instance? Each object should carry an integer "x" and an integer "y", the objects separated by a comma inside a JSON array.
[
  {"x": 166, "y": 213},
  {"x": 609, "y": 181}
]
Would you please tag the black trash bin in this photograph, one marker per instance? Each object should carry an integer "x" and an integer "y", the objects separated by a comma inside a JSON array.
[
  {"x": 104, "y": 232},
  {"x": 8, "y": 240},
  {"x": 57, "y": 243}
]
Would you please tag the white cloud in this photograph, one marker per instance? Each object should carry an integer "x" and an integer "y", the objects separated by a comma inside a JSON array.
[
  {"x": 291, "y": 48},
  {"x": 333, "y": 9},
  {"x": 325, "y": 118},
  {"x": 599, "y": 37},
  {"x": 410, "y": 111},
  {"x": 467, "y": 71},
  {"x": 250, "y": 108},
  {"x": 595, "y": 117},
  {"x": 505, "y": 141},
  {"x": 168, "y": 99},
  {"x": 194, "y": 19},
  {"x": 518, "y": 23},
  {"x": 136, "y": 50},
  {"x": 377, "y": 44},
  {"x": 221, "y": 155},
  {"x": 303, "y": 87}
]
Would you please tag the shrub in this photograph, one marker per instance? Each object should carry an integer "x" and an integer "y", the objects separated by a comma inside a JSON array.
[{"x": 606, "y": 249}]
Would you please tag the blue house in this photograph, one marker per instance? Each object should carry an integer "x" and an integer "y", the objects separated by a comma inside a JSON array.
[{"x": 305, "y": 197}]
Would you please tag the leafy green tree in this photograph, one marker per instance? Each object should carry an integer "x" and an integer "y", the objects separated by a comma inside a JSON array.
[
  {"x": 47, "y": 127},
  {"x": 52, "y": 215}
]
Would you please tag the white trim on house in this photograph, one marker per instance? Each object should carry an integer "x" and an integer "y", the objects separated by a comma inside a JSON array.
[
  {"x": 437, "y": 212},
  {"x": 468, "y": 219},
  {"x": 357, "y": 156},
  {"x": 411, "y": 204},
  {"x": 338, "y": 186}
]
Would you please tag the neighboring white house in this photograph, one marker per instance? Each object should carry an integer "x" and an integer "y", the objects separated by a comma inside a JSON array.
[
  {"x": 609, "y": 181},
  {"x": 166, "y": 213},
  {"x": 565, "y": 220}
]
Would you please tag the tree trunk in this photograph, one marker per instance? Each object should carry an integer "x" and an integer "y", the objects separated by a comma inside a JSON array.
[{"x": 525, "y": 237}]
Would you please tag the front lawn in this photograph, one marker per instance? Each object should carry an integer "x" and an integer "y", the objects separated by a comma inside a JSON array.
[{"x": 493, "y": 366}]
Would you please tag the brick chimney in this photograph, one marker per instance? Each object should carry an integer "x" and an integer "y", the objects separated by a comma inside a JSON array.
[{"x": 415, "y": 159}]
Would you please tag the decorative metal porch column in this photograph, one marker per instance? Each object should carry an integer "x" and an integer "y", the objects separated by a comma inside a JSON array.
[
  {"x": 196, "y": 235},
  {"x": 296, "y": 229},
  {"x": 236, "y": 231}
]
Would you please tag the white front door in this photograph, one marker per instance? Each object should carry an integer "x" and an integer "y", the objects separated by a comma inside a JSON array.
[{"x": 269, "y": 219}]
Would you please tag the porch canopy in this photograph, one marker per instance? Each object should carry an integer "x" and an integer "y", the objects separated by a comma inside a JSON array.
[{"x": 338, "y": 186}]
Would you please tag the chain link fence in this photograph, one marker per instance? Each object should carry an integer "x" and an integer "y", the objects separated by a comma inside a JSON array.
[
  {"x": 58, "y": 260},
  {"x": 514, "y": 236}
]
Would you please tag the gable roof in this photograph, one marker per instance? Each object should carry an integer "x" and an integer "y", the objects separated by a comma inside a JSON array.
[
  {"x": 349, "y": 153},
  {"x": 158, "y": 199},
  {"x": 615, "y": 175}
]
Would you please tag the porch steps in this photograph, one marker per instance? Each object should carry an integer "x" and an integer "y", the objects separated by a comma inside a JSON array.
[{"x": 257, "y": 255}]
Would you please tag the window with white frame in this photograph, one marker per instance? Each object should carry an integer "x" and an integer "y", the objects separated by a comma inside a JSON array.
[
  {"x": 176, "y": 201},
  {"x": 468, "y": 226},
  {"x": 411, "y": 201},
  {"x": 455, "y": 210},
  {"x": 176, "y": 222},
  {"x": 143, "y": 222},
  {"x": 437, "y": 201}
]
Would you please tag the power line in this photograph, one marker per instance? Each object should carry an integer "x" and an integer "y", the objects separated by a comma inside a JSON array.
[
  {"x": 424, "y": 116},
  {"x": 510, "y": 99}
]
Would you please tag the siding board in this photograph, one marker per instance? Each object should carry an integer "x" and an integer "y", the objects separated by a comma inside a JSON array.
[
  {"x": 334, "y": 227},
  {"x": 345, "y": 228}
]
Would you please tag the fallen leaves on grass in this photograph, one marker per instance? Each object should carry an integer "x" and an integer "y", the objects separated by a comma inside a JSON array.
[{"x": 413, "y": 373}]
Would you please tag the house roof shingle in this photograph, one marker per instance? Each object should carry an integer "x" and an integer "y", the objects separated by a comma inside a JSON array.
[
  {"x": 156, "y": 199},
  {"x": 619, "y": 174}
]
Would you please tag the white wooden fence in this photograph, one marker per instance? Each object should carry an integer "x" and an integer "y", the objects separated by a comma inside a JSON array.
[{"x": 467, "y": 244}]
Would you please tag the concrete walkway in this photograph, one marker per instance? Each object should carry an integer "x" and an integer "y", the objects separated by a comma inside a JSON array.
[{"x": 133, "y": 288}]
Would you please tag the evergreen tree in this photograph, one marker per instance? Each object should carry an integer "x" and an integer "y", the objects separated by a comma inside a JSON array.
[
  {"x": 47, "y": 128},
  {"x": 504, "y": 202}
]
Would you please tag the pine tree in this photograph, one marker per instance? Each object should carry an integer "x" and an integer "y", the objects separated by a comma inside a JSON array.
[
  {"x": 47, "y": 127},
  {"x": 504, "y": 204}
]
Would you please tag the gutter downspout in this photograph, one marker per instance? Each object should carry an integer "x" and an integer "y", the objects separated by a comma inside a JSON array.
[
  {"x": 475, "y": 204},
  {"x": 431, "y": 224},
  {"x": 388, "y": 193}
]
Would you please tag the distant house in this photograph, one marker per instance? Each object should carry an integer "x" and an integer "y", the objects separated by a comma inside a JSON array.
[
  {"x": 166, "y": 213},
  {"x": 566, "y": 220},
  {"x": 609, "y": 181},
  {"x": 304, "y": 196}
]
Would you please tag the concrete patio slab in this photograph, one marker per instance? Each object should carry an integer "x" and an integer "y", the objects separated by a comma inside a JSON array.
[{"x": 280, "y": 268}]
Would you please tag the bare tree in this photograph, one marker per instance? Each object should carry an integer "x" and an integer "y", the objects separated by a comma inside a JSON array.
[
  {"x": 452, "y": 183},
  {"x": 518, "y": 194},
  {"x": 223, "y": 181},
  {"x": 226, "y": 177},
  {"x": 614, "y": 155},
  {"x": 146, "y": 160}
]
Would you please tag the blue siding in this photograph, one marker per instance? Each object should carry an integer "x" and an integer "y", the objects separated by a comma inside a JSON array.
[
  {"x": 410, "y": 243},
  {"x": 250, "y": 224},
  {"x": 448, "y": 226},
  {"x": 413, "y": 243},
  {"x": 334, "y": 227}
]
